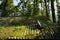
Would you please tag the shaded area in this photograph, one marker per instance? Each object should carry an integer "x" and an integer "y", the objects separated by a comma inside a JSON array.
[
  {"x": 11, "y": 21},
  {"x": 16, "y": 26}
]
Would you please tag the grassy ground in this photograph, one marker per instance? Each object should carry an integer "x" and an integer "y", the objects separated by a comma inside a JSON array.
[
  {"x": 23, "y": 29},
  {"x": 19, "y": 31}
]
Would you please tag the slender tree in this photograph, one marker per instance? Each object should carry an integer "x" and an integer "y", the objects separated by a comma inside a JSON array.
[
  {"x": 3, "y": 6},
  {"x": 53, "y": 10},
  {"x": 35, "y": 7},
  {"x": 58, "y": 7},
  {"x": 46, "y": 6}
]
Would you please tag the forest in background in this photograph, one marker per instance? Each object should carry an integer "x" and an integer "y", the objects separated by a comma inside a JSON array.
[{"x": 19, "y": 19}]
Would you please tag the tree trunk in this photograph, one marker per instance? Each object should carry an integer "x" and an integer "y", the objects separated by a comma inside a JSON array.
[
  {"x": 47, "y": 14},
  {"x": 4, "y": 12},
  {"x": 53, "y": 10}
]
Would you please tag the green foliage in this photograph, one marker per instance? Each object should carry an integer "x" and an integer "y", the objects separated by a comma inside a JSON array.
[
  {"x": 27, "y": 32},
  {"x": 24, "y": 26}
]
